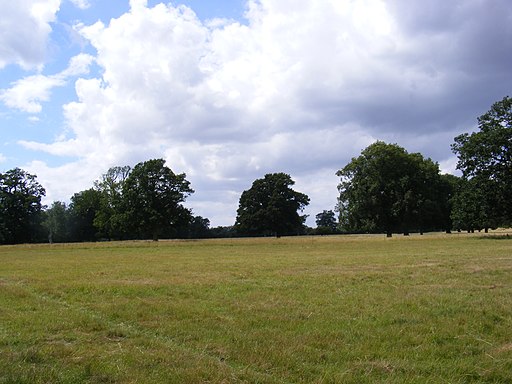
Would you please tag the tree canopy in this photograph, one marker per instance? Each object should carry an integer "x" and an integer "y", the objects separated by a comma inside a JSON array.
[
  {"x": 485, "y": 157},
  {"x": 386, "y": 189},
  {"x": 110, "y": 220},
  {"x": 270, "y": 207},
  {"x": 152, "y": 197},
  {"x": 84, "y": 207},
  {"x": 20, "y": 206},
  {"x": 326, "y": 222},
  {"x": 56, "y": 222}
]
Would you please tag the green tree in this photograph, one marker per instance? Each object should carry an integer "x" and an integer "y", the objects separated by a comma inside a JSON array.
[
  {"x": 20, "y": 207},
  {"x": 472, "y": 206},
  {"x": 270, "y": 207},
  {"x": 326, "y": 222},
  {"x": 199, "y": 227},
  {"x": 432, "y": 192},
  {"x": 448, "y": 189},
  {"x": 152, "y": 197},
  {"x": 386, "y": 189},
  {"x": 110, "y": 219},
  {"x": 82, "y": 211},
  {"x": 486, "y": 156},
  {"x": 56, "y": 221}
]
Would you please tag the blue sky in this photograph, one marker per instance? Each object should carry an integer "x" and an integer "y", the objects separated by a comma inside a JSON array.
[
  {"x": 62, "y": 45},
  {"x": 227, "y": 91}
]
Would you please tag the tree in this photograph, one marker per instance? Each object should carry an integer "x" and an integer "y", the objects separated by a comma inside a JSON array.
[
  {"x": 82, "y": 212},
  {"x": 222, "y": 232},
  {"x": 486, "y": 157},
  {"x": 152, "y": 197},
  {"x": 270, "y": 207},
  {"x": 56, "y": 222},
  {"x": 386, "y": 189},
  {"x": 472, "y": 208},
  {"x": 20, "y": 207},
  {"x": 432, "y": 192},
  {"x": 326, "y": 222},
  {"x": 110, "y": 219},
  {"x": 199, "y": 227},
  {"x": 448, "y": 190}
]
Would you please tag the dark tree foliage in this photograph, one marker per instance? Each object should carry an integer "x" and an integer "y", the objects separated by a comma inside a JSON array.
[
  {"x": 222, "y": 232},
  {"x": 486, "y": 158},
  {"x": 326, "y": 222},
  {"x": 472, "y": 207},
  {"x": 448, "y": 189},
  {"x": 152, "y": 197},
  {"x": 270, "y": 207},
  {"x": 57, "y": 222},
  {"x": 20, "y": 207},
  {"x": 199, "y": 227},
  {"x": 83, "y": 209},
  {"x": 386, "y": 189}
]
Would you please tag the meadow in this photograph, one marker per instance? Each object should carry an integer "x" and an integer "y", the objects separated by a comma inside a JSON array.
[{"x": 335, "y": 309}]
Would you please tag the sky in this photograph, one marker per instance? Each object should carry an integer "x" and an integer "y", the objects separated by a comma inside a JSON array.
[{"x": 228, "y": 91}]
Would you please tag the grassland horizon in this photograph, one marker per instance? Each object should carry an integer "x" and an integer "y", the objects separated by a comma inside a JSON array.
[{"x": 334, "y": 309}]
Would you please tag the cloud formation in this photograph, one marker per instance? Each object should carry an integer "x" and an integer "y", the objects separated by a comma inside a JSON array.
[
  {"x": 28, "y": 93},
  {"x": 301, "y": 87},
  {"x": 26, "y": 26}
]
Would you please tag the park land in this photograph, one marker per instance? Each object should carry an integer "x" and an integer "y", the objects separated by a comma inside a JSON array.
[{"x": 332, "y": 309}]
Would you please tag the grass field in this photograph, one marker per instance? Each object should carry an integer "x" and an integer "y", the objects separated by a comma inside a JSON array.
[{"x": 354, "y": 309}]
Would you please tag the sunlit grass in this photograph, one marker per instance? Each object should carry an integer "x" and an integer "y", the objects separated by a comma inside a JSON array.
[{"x": 354, "y": 309}]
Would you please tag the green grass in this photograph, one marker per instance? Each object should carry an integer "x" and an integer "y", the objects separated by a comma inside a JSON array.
[{"x": 355, "y": 309}]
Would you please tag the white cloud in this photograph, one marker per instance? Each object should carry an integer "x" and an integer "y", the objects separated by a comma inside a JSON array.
[
  {"x": 28, "y": 93},
  {"x": 25, "y": 31},
  {"x": 301, "y": 88},
  {"x": 78, "y": 65},
  {"x": 82, "y": 4},
  {"x": 53, "y": 179}
]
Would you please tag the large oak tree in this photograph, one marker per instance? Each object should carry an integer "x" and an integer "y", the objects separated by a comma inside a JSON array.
[
  {"x": 152, "y": 197},
  {"x": 386, "y": 189},
  {"x": 270, "y": 207}
]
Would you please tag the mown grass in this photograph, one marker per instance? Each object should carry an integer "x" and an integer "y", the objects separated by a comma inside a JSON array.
[{"x": 354, "y": 309}]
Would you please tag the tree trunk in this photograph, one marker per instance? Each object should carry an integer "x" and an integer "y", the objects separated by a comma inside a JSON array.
[{"x": 389, "y": 234}]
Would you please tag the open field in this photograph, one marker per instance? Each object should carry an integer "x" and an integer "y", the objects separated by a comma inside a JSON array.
[{"x": 354, "y": 309}]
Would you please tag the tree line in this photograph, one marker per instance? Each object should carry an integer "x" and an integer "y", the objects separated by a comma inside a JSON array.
[{"x": 384, "y": 190}]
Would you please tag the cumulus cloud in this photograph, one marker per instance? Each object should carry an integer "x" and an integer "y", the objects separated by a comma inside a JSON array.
[
  {"x": 25, "y": 31},
  {"x": 28, "y": 93},
  {"x": 301, "y": 87}
]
